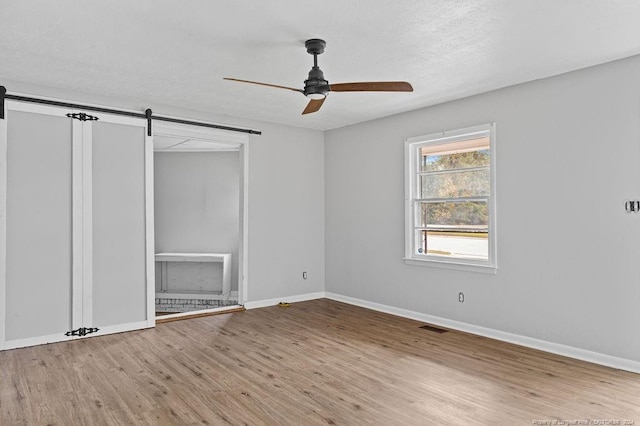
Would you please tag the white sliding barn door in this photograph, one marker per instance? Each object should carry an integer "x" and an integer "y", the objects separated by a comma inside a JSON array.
[
  {"x": 75, "y": 217},
  {"x": 38, "y": 295},
  {"x": 119, "y": 247}
]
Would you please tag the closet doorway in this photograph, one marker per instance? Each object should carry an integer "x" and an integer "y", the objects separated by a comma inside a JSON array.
[{"x": 200, "y": 216}]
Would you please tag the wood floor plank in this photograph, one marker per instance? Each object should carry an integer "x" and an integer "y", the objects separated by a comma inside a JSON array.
[{"x": 314, "y": 363}]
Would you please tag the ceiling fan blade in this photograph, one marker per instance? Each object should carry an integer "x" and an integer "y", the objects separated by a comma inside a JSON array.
[
  {"x": 313, "y": 106},
  {"x": 373, "y": 86},
  {"x": 263, "y": 84}
]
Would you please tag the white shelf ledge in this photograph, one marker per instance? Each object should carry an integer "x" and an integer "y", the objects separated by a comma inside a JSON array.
[{"x": 224, "y": 258}]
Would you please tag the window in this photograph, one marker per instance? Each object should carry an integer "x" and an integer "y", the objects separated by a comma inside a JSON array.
[{"x": 450, "y": 199}]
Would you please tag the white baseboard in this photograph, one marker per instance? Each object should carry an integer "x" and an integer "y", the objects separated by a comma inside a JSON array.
[
  {"x": 543, "y": 345},
  {"x": 555, "y": 348},
  {"x": 289, "y": 299},
  {"x": 60, "y": 337}
]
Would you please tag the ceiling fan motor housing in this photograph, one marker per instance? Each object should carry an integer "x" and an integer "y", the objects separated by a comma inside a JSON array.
[{"x": 316, "y": 87}]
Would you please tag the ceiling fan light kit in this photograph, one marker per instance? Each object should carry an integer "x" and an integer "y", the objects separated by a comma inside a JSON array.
[
  {"x": 316, "y": 95},
  {"x": 316, "y": 87}
]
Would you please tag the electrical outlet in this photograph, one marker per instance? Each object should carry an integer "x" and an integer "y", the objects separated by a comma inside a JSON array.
[
  {"x": 461, "y": 297},
  {"x": 304, "y": 275}
]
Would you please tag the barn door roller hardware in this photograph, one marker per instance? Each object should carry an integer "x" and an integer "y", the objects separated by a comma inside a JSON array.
[
  {"x": 82, "y": 116},
  {"x": 146, "y": 115},
  {"x": 3, "y": 93},
  {"x": 82, "y": 331}
]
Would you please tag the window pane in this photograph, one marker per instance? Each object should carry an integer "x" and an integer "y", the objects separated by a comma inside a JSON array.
[
  {"x": 455, "y": 229},
  {"x": 458, "y": 245},
  {"x": 455, "y": 184},
  {"x": 430, "y": 162},
  {"x": 461, "y": 215}
]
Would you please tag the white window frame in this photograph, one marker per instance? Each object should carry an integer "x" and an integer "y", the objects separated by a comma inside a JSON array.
[{"x": 411, "y": 195}]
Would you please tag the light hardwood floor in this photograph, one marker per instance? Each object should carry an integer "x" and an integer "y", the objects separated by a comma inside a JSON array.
[{"x": 317, "y": 362}]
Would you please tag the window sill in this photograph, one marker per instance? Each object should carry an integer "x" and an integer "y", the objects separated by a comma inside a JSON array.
[{"x": 459, "y": 266}]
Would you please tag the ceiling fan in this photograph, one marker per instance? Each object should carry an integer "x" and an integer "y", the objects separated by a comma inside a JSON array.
[{"x": 316, "y": 87}]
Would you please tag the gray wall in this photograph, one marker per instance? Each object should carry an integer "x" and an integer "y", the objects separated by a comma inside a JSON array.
[
  {"x": 568, "y": 255},
  {"x": 286, "y": 213},
  {"x": 197, "y": 204}
]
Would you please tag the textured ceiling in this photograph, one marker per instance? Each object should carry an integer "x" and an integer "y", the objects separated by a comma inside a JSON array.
[{"x": 171, "y": 52}]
